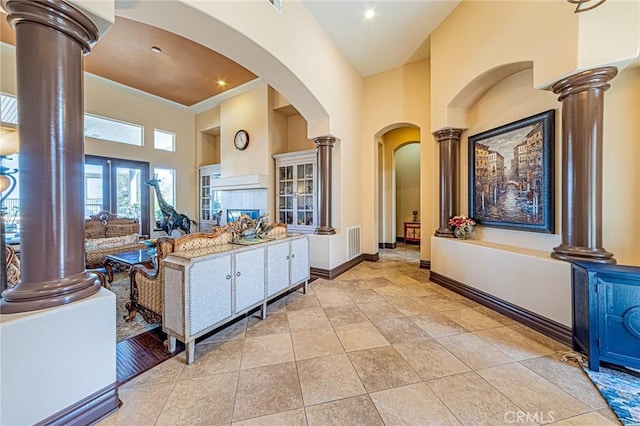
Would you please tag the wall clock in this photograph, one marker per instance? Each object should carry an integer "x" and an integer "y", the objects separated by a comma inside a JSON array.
[{"x": 241, "y": 140}]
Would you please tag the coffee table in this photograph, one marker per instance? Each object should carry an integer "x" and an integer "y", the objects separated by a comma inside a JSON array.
[{"x": 127, "y": 259}]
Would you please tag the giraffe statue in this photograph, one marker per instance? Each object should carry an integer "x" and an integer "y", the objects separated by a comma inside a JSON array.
[{"x": 171, "y": 219}]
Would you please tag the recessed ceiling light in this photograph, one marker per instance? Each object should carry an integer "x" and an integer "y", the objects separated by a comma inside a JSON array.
[
  {"x": 156, "y": 49},
  {"x": 222, "y": 83},
  {"x": 370, "y": 13}
]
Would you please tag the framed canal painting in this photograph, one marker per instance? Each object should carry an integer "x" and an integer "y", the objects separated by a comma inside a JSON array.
[{"x": 511, "y": 179}]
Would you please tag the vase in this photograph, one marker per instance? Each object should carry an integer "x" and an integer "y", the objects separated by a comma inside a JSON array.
[{"x": 463, "y": 233}]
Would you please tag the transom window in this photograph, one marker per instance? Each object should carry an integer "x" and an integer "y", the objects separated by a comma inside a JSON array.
[
  {"x": 164, "y": 140},
  {"x": 112, "y": 130},
  {"x": 95, "y": 126}
]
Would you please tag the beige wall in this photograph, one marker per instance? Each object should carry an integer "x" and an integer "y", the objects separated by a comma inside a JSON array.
[
  {"x": 619, "y": 21},
  {"x": 407, "y": 184},
  {"x": 207, "y": 136},
  {"x": 394, "y": 99},
  {"x": 480, "y": 88},
  {"x": 464, "y": 51},
  {"x": 248, "y": 111},
  {"x": 621, "y": 168},
  {"x": 297, "y": 139},
  {"x": 209, "y": 148}
]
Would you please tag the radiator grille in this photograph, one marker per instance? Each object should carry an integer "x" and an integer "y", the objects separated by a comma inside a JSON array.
[{"x": 353, "y": 242}]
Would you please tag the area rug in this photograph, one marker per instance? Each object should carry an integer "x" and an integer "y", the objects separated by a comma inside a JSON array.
[
  {"x": 124, "y": 330},
  {"x": 621, "y": 390}
]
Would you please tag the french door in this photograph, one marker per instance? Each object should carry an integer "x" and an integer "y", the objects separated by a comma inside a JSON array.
[{"x": 117, "y": 186}]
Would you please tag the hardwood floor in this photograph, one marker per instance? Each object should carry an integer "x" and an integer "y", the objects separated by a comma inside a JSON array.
[{"x": 140, "y": 353}]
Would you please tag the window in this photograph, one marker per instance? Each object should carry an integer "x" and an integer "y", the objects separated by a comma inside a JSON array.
[
  {"x": 11, "y": 205},
  {"x": 112, "y": 130},
  {"x": 164, "y": 140},
  {"x": 117, "y": 186},
  {"x": 166, "y": 177},
  {"x": 8, "y": 109},
  {"x": 95, "y": 126}
]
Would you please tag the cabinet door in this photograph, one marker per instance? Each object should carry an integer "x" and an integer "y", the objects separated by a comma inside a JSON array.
[
  {"x": 619, "y": 310},
  {"x": 305, "y": 195},
  {"x": 205, "y": 197},
  {"x": 299, "y": 260},
  {"x": 285, "y": 194},
  {"x": 296, "y": 197},
  {"x": 249, "y": 278},
  {"x": 209, "y": 293},
  {"x": 278, "y": 270}
]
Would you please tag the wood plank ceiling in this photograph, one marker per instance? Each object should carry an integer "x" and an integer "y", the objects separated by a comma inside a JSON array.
[{"x": 184, "y": 72}]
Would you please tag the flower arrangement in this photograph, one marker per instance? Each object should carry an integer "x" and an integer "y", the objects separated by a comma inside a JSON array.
[{"x": 462, "y": 226}]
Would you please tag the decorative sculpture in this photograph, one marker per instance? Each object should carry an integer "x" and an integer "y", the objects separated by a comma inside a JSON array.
[
  {"x": 244, "y": 230},
  {"x": 171, "y": 219}
]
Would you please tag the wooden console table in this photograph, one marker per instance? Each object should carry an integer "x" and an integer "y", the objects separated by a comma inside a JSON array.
[{"x": 412, "y": 232}]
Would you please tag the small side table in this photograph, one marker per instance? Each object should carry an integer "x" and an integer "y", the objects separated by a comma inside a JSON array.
[
  {"x": 126, "y": 260},
  {"x": 412, "y": 232}
]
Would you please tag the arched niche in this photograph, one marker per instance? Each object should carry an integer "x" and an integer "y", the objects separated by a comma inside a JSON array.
[{"x": 457, "y": 108}]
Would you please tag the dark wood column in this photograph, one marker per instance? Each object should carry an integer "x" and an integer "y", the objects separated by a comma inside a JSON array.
[
  {"x": 448, "y": 142},
  {"x": 325, "y": 145},
  {"x": 51, "y": 39},
  {"x": 582, "y": 97}
]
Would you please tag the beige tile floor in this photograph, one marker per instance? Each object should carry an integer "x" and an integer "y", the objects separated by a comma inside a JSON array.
[{"x": 378, "y": 345}]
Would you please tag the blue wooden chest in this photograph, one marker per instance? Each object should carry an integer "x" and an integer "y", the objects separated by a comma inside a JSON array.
[{"x": 606, "y": 313}]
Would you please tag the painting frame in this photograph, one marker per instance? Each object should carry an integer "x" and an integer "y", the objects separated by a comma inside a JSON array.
[{"x": 521, "y": 196}]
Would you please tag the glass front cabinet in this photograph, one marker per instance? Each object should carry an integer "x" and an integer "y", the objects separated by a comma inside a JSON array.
[
  {"x": 209, "y": 199},
  {"x": 296, "y": 197}
]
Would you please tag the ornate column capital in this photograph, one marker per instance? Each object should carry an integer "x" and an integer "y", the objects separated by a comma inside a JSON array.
[
  {"x": 448, "y": 133},
  {"x": 597, "y": 78},
  {"x": 55, "y": 14},
  {"x": 325, "y": 141}
]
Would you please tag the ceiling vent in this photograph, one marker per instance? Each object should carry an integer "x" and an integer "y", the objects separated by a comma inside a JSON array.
[{"x": 277, "y": 4}]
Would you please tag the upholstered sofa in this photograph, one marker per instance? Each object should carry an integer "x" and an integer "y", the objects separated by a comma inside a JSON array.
[
  {"x": 106, "y": 234},
  {"x": 147, "y": 284},
  {"x": 13, "y": 269}
]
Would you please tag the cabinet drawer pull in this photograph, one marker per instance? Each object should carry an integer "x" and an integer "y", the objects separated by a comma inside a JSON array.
[
  {"x": 228, "y": 277},
  {"x": 293, "y": 255},
  {"x": 287, "y": 257},
  {"x": 237, "y": 274}
]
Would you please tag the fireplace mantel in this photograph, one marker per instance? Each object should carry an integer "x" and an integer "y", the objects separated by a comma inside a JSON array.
[{"x": 240, "y": 182}]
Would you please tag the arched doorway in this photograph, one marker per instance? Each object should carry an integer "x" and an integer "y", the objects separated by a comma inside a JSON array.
[{"x": 398, "y": 181}]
